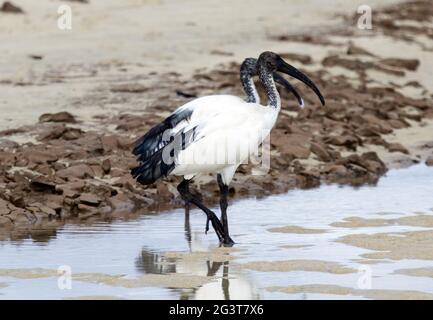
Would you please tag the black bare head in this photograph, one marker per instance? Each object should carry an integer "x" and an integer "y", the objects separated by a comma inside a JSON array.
[
  {"x": 247, "y": 72},
  {"x": 249, "y": 69},
  {"x": 270, "y": 62}
]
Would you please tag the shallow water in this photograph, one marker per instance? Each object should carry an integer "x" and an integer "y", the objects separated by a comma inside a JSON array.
[{"x": 123, "y": 256}]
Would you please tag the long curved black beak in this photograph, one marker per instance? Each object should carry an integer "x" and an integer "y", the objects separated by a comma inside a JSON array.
[
  {"x": 286, "y": 68},
  {"x": 281, "y": 80}
]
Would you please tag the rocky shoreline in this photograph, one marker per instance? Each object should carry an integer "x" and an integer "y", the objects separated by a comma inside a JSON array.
[{"x": 70, "y": 170}]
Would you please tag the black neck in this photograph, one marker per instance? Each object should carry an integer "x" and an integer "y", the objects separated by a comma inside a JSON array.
[
  {"x": 268, "y": 83},
  {"x": 249, "y": 87}
]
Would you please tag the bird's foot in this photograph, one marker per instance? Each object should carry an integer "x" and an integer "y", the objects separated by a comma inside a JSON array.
[{"x": 227, "y": 242}]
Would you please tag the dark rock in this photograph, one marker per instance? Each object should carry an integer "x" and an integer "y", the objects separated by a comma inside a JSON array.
[
  {"x": 335, "y": 169},
  {"x": 320, "y": 151},
  {"x": 97, "y": 170},
  {"x": 354, "y": 50},
  {"x": 186, "y": 94},
  {"x": 347, "y": 140},
  {"x": 6, "y": 145},
  {"x": 9, "y": 7},
  {"x": 72, "y": 133},
  {"x": 109, "y": 143},
  {"x": 409, "y": 64},
  {"x": 90, "y": 199},
  {"x": 106, "y": 166},
  {"x": 121, "y": 202},
  {"x": 397, "y": 147},
  {"x": 57, "y": 117},
  {"x": 35, "y": 57},
  {"x": 80, "y": 171},
  {"x": 18, "y": 200},
  {"x": 42, "y": 184},
  {"x": 40, "y": 157},
  {"x": 54, "y": 132}
]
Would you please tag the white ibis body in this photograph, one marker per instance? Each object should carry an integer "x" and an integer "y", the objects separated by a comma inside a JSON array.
[{"x": 209, "y": 135}]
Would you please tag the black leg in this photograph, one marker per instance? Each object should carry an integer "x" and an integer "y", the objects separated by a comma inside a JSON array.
[
  {"x": 224, "y": 191},
  {"x": 187, "y": 196},
  {"x": 187, "y": 207}
]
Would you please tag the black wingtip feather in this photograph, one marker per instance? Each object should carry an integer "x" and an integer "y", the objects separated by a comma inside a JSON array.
[{"x": 152, "y": 169}]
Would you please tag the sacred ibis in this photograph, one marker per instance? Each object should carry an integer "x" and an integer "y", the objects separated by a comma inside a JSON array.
[{"x": 209, "y": 135}]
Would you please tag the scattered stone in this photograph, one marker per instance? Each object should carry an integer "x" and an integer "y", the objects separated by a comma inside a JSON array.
[
  {"x": 10, "y": 132},
  {"x": 355, "y": 50},
  {"x": 6, "y": 145},
  {"x": 121, "y": 202},
  {"x": 320, "y": 151},
  {"x": 72, "y": 133},
  {"x": 336, "y": 169},
  {"x": 40, "y": 157},
  {"x": 397, "y": 147},
  {"x": 185, "y": 94},
  {"x": 110, "y": 143},
  {"x": 80, "y": 171},
  {"x": 35, "y": 57},
  {"x": 90, "y": 199},
  {"x": 9, "y": 7},
  {"x": 57, "y": 117},
  {"x": 42, "y": 184},
  {"x": 18, "y": 200},
  {"x": 429, "y": 161},
  {"x": 409, "y": 64},
  {"x": 53, "y": 132},
  {"x": 348, "y": 141},
  {"x": 106, "y": 166}
]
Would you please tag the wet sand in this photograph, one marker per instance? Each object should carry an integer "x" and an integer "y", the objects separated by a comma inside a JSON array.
[
  {"x": 298, "y": 265},
  {"x": 395, "y": 246},
  {"x": 420, "y": 220},
  {"x": 297, "y": 229},
  {"x": 343, "y": 291}
]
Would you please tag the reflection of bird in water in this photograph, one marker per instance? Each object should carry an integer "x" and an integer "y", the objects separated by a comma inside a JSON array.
[
  {"x": 222, "y": 285},
  {"x": 227, "y": 287},
  {"x": 153, "y": 263}
]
